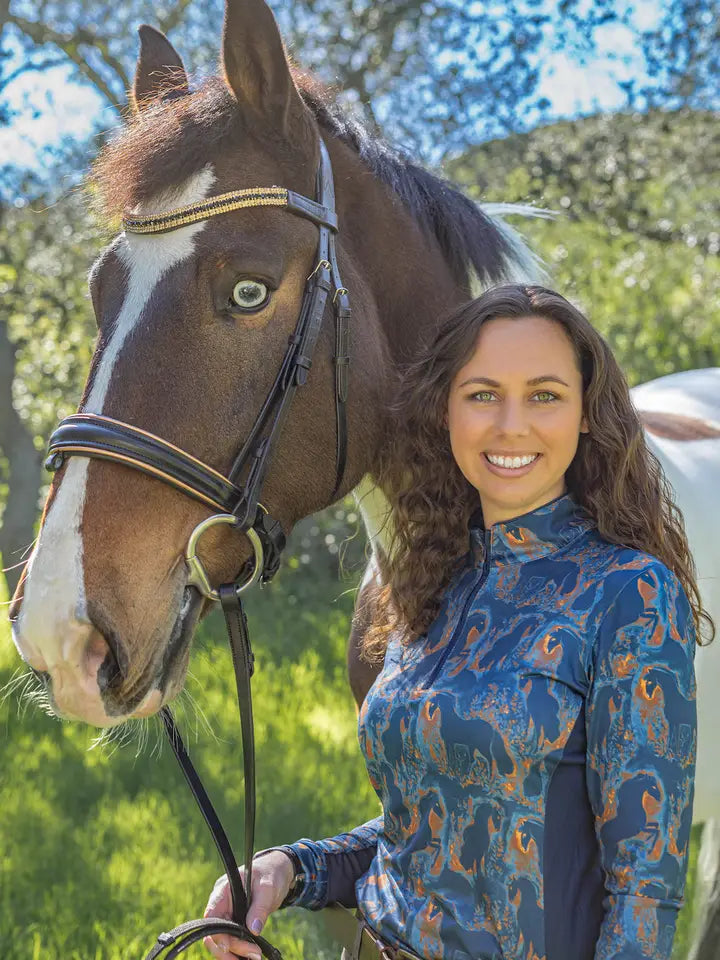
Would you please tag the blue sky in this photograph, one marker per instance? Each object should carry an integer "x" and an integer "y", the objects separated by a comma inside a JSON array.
[{"x": 50, "y": 106}]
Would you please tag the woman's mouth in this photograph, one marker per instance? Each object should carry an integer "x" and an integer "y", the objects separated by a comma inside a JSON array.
[{"x": 507, "y": 465}]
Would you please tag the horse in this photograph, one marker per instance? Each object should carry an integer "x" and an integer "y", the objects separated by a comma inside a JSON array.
[{"x": 192, "y": 327}]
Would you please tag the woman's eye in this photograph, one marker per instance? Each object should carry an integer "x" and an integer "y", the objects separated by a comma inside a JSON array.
[
  {"x": 545, "y": 396},
  {"x": 483, "y": 396},
  {"x": 249, "y": 295}
]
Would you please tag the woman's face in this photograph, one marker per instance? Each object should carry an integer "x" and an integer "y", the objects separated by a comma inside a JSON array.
[{"x": 515, "y": 415}]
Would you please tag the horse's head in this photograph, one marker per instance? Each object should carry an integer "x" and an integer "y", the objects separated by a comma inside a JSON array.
[{"x": 193, "y": 325}]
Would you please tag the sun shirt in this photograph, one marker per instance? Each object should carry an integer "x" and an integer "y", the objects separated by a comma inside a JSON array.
[{"x": 534, "y": 755}]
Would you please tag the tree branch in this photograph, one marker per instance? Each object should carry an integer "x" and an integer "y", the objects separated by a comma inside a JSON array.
[
  {"x": 175, "y": 16},
  {"x": 27, "y": 67},
  {"x": 41, "y": 33}
]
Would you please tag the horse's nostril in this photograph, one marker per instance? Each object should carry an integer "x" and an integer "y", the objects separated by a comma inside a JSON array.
[{"x": 101, "y": 661}]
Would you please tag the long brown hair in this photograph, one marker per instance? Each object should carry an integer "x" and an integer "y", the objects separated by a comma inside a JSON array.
[{"x": 613, "y": 475}]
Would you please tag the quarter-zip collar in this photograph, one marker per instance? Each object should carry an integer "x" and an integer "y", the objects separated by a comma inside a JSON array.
[{"x": 540, "y": 532}]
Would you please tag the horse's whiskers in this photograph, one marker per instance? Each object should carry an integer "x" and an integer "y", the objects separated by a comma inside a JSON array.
[
  {"x": 136, "y": 729},
  {"x": 28, "y": 689},
  {"x": 200, "y": 714},
  {"x": 21, "y": 677},
  {"x": 21, "y": 563}
]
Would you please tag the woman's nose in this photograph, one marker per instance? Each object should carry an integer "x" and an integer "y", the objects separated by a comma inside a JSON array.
[{"x": 513, "y": 418}]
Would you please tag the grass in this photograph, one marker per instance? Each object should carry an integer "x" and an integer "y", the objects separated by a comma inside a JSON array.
[{"x": 102, "y": 848}]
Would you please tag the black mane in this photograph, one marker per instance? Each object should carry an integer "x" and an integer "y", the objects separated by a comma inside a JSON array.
[{"x": 466, "y": 235}]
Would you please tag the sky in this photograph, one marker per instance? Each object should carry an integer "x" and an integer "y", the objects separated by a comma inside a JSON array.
[{"x": 50, "y": 106}]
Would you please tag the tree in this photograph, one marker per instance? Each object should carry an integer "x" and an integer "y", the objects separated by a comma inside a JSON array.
[
  {"x": 635, "y": 239},
  {"x": 437, "y": 74},
  {"x": 46, "y": 338}
]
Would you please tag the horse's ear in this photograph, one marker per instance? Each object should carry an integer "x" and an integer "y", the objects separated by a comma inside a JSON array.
[
  {"x": 159, "y": 69},
  {"x": 255, "y": 66}
]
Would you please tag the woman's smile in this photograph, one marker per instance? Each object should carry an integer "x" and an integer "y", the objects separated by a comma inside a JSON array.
[{"x": 511, "y": 464}]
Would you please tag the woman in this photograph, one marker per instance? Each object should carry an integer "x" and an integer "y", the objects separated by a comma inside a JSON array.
[{"x": 532, "y": 734}]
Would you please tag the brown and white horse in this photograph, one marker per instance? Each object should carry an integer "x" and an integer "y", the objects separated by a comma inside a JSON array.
[{"x": 104, "y": 610}]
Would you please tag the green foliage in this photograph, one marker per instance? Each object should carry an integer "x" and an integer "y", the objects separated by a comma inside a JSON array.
[
  {"x": 45, "y": 253},
  {"x": 636, "y": 239}
]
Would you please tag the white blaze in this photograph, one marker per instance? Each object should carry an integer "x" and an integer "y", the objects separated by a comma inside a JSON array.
[{"x": 54, "y": 595}]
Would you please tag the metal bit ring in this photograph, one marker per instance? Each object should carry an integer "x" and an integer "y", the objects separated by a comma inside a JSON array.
[{"x": 197, "y": 576}]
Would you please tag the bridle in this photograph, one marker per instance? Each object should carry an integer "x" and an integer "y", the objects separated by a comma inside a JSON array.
[{"x": 238, "y": 500}]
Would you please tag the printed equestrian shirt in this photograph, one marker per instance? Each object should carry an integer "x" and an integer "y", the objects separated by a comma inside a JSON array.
[{"x": 534, "y": 755}]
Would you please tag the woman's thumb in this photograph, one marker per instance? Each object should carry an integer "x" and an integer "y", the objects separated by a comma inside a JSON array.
[
  {"x": 257, "y": 922},
  {"x": 261, "y": 906}
]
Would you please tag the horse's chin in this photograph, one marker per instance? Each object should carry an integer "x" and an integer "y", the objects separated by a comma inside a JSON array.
[
  {"x": 163, "y": 682},
  {"x": 176, "y": 656}
]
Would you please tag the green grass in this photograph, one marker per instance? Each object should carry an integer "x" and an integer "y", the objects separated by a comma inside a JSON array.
[{"x": 103, "y": 848}]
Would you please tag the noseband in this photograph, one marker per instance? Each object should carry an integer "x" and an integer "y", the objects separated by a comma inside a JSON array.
[{"x": 237, "y": 496}]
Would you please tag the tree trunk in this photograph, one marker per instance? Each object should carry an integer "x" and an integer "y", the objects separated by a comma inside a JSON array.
[{"x": 24, "y": 466}]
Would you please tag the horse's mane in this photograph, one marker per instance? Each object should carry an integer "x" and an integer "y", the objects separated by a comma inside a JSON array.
[
  {"x": 155, "y": 153},
  {"x": 467, "y": 236}
]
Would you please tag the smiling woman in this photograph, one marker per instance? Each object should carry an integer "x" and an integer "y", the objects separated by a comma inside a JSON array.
[
  {"x": 532, "y": 731},
  {"x": 516, "y": 400},
  {"x": 531, "y": 734},
  {"x": 514, "y": 435}
]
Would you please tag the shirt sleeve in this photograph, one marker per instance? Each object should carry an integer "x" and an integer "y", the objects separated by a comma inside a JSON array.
[
  {"x": 333, "y": 866},
  {"x": 641, "y": 744}
]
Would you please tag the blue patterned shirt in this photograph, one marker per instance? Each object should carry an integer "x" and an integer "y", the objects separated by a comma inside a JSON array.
[{"x": 534, "y": 755}]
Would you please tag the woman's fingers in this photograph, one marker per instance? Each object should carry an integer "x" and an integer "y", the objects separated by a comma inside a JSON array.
[
  {"x": 219, "y": 904},
  {"x": 271, "y": 882},
  {"x": 220, "y": 900},
  {"x": 223, "y": 947}
]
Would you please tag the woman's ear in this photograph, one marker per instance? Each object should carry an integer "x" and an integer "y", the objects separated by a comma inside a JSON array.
[{"x": 584, "y": 428}]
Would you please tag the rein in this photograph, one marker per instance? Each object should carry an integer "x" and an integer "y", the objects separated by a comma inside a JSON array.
[{"x": 100, "y": 437}]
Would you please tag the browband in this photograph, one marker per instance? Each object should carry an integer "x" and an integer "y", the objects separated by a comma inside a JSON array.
[{"x": 225, "y": 203}]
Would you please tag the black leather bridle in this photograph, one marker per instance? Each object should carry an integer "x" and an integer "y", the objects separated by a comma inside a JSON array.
[{"x": 99, "y": 437}]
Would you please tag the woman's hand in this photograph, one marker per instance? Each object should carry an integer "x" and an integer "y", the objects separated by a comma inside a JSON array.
[{"x": 272, "y": 877}]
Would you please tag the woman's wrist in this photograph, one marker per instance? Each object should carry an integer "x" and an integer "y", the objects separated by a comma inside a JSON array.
[
  {"x": 296, "y": 872},
  {"x": 298, "y": 877}
]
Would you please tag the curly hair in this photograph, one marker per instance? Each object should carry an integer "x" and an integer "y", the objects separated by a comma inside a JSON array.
[{"x": 613, "y": 475}]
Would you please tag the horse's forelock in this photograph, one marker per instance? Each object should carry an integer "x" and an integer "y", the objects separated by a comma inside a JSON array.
[{"x": 159, "y": 149}]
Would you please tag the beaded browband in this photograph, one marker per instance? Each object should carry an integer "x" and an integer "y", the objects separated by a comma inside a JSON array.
[{"x": 225, "y": 203}]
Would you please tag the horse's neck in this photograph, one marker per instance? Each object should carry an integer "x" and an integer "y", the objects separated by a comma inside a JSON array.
[
  {"x": 410, "y": 280},
  {"x": 411, "y": 284}
]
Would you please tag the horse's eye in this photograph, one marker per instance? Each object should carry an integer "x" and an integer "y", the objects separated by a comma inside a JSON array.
[{"x": 249, "y": 295}]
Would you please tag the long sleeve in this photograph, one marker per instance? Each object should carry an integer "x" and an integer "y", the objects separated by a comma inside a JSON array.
[
  {"x": 333, "y": 866},
  {"x": 641, "y": 744}
]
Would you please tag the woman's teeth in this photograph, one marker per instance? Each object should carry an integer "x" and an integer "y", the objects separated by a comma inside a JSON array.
[{"x": 512, "y": 463}]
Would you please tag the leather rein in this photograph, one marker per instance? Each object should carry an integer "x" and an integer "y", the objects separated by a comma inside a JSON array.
[{"x": 238, "y": 500}]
